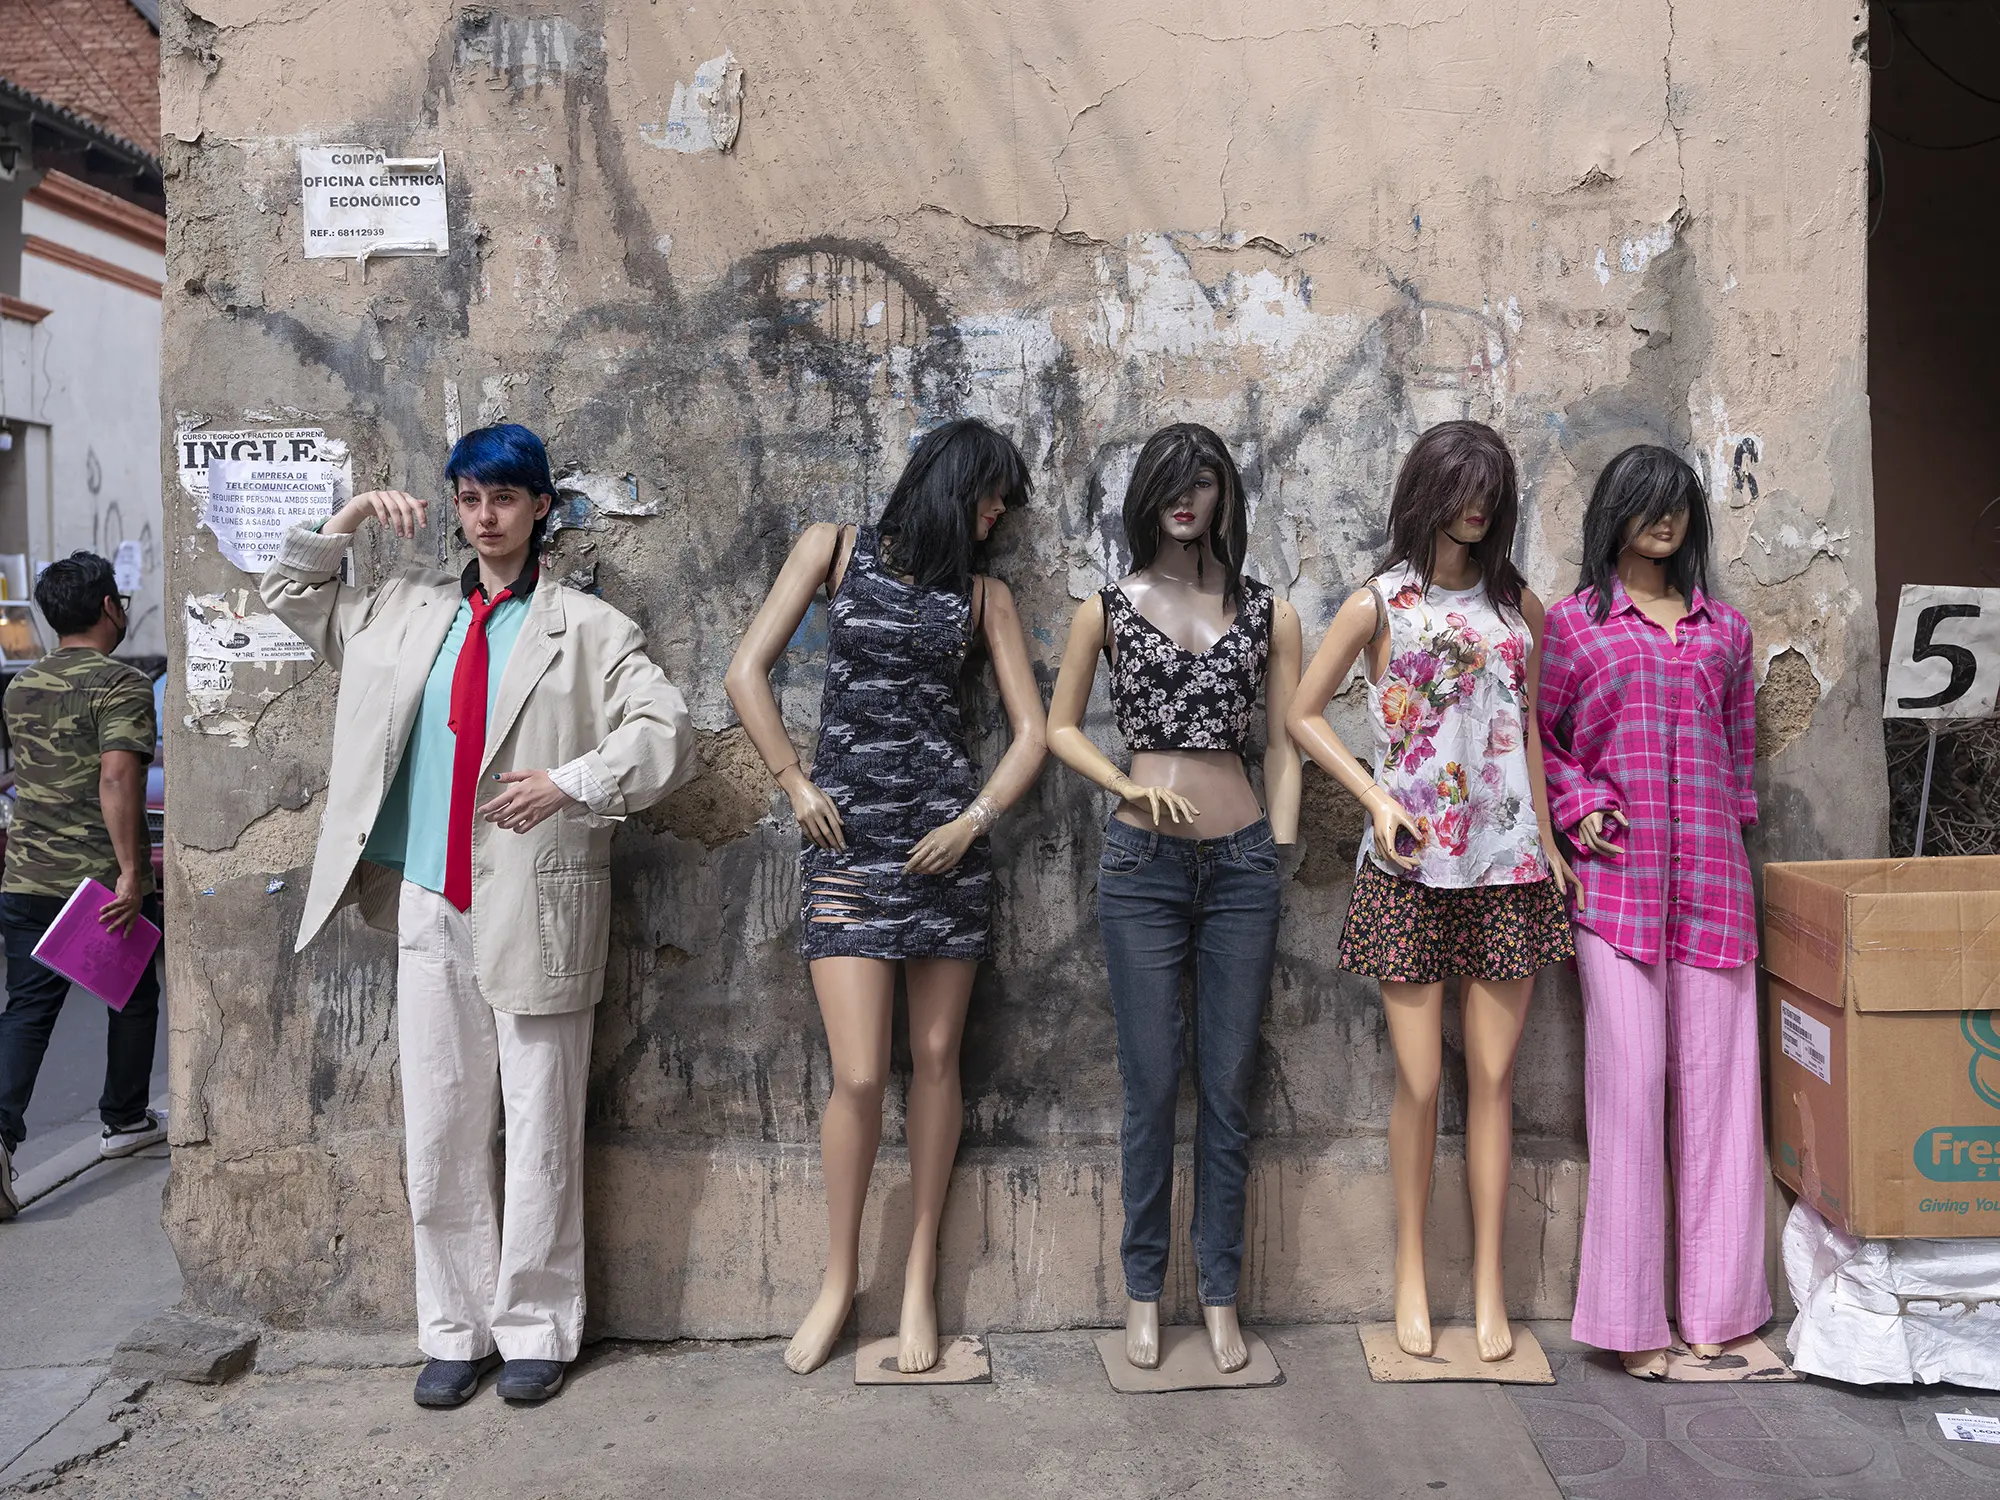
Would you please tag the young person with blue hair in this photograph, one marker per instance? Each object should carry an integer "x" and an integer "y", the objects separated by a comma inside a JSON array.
[{"x": 491, "y": 731}]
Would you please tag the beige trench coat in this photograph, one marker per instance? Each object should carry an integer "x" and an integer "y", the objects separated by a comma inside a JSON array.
[{"x": 578, "y": 685}]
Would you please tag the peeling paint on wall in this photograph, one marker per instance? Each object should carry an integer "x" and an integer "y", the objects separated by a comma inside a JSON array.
[{"x": 705, "y": 114}]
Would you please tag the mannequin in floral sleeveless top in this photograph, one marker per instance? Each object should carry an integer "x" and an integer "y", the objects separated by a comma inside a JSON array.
[
  {"x": 1462, "y": 875},
  {"x": 896, "y": 868},
  {"x": 1190, "y": 865}
]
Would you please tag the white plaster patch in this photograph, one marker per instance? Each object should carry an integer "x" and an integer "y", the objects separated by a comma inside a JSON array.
[
  {"x": 705, "y": 114},
  {"x": 1634, "y": 255},
  {"x": 1603, "y": 268},
  {"x": 611, "y": 494},
  {"x": 1165, "y": 309}
]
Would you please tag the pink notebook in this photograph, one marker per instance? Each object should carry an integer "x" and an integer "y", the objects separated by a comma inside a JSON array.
[{"x": 86, "y": 952}]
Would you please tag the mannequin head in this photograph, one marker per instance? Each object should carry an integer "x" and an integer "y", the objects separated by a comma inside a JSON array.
[
  {"x": 1185, "y": 491},
  {"x": 1458, "y": 483},
  {"x": 1650, "y": 502},
  {"x": 501, "y": 491},
  {"x": 960, "y": 480}
]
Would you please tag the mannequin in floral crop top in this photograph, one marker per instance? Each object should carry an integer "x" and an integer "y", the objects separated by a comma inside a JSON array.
[
  {"x": 1464, "y": 877},
  {"x": 1190, "y": 861}
]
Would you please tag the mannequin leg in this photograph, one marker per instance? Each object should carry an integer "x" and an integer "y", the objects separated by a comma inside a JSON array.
[
  {"x": 939, "y": 989},
  {"x": 1621, "y": 1292},
  {"x": 1416, "y": 1035},
  {"x": 1494, "y": 1015},
  {"x": 1718, "y": 1141},
  {"x": 856, "y": 999}
]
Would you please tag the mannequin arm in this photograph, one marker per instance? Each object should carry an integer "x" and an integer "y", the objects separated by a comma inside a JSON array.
[
  {"x": 1355, "y": 625},
  {"x": 1573, "y": 793},
  {"x": 1741, "y": 726},
  {"x": 944, "y": 846},
  {"x": 1282, "y": 772},
  {"x": 1531, "y": 735},
  {"x": 1071, "y": 698},
  {"x": 748, "y": 681}
]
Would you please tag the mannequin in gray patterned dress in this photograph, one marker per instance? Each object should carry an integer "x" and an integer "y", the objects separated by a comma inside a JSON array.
[{"x": 895, "y": 867}]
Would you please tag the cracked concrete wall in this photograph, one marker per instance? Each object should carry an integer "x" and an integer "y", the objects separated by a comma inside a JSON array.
[{"x": 1317, "y": 227}]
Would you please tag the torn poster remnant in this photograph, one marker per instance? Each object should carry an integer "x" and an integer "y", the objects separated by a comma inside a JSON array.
[
  {"x": 222, "y": 630},
  {"x": 196, "y": 447},
  {"x": 608, "y": 494},
  {"x": 360, "y": 202},
  {"x": 704, "y": 115},
  {"x": 252, "y": 505}
]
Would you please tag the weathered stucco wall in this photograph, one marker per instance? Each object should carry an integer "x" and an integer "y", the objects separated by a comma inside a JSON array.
[{"x": 1318, "y": 227}]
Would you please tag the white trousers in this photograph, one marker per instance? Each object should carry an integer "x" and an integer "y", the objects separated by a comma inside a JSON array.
[{"x": 481, "y": 1286}]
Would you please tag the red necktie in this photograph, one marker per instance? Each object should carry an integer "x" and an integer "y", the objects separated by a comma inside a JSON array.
[{"x": 468, "y": 726}]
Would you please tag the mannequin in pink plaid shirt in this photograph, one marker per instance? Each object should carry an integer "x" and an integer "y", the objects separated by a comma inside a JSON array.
[{"x": 1648, "y": 714}]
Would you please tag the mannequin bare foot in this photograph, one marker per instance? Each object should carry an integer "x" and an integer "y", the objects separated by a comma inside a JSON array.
[
  {"x": 1704, "y": 1351},
  {"x": 917, "y": 1350},
  {"x": 1413, "y": 1312},
  {"x": 1489, "y": 1315},
  {"x": 1142, "y": 1335},
  {"x": 816, "y": 1336},
  {"x": 1225, "y": 1339},
  {"x": 1646, "y": 1364}
]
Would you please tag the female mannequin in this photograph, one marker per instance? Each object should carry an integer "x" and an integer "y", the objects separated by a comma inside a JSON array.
[
  {"x": 1648, "y": 706},
  {"x": 895, "y": 866},
  {"x": 1463, "y": 876},
  {"x": 1190, "y": 862}
]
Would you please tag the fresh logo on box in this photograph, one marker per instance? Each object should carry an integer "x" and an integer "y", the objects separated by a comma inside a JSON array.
[
  {"x": 1959, "y": 1153},
  {"x": 1985, "y": 1038}
]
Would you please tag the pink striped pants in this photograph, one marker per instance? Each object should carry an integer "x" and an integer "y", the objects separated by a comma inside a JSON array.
[{"x": 1649, "y": 1028}]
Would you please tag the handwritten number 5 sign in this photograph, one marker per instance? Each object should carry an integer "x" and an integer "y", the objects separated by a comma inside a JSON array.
[{"x": 1945, "y": 659}]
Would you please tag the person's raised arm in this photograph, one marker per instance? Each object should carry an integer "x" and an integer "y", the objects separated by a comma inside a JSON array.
[
  {"x": 1355, "y": 625},
  {"x": 303, "y": 586},
  {"x": 748, "y": 682},
  {"x": 1282, "y": 772},
  {"x": 1067, "y": 705},
  {"x": 1531, "y": 733},
  {"x": 944, "y": 846}
]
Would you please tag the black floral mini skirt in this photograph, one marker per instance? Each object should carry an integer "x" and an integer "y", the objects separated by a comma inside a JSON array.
[{"x": 1409, "y": 933}]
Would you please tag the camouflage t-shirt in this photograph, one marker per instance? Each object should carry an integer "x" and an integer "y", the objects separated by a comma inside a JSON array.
[{"x": 63, "y": 713}]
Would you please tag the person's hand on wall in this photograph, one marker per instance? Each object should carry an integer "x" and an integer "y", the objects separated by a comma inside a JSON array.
[
  {"x": 401, "y": 513},
  {"x": 1594, "y": 832},
  {"x": 818, "y": 818},
  {"x": 529, "y": 798}
]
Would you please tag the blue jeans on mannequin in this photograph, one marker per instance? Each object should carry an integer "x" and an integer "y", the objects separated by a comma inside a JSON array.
[{"x": 1160, "y": 898}]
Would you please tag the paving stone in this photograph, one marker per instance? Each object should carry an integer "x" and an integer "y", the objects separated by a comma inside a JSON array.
[{"x": 184, "y": 1346}]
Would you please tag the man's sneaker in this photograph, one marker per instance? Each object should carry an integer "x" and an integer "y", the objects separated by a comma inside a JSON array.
[
  {"x": 452, "y": 1382},
  {"x": 9, "y": 1204},
  {"x": 150, "y": 1130},
  {"x": 530, "y": 1379}
]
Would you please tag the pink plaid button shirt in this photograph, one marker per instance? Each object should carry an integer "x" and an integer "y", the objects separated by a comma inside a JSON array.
[{"x": 1664, "y": 729}]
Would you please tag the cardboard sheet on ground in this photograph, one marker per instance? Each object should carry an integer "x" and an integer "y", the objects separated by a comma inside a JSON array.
[
  {"x": 1747, "y": 1358},
  {"x": 1454, "y": 1356},
  {"x": 962, "y": 1361},
  {"x": 252, "y": 504},
  {"x": 1186, "y": 1363}
]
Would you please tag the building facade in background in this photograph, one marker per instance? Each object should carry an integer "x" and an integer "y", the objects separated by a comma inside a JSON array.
[{"x": 82, "y": 257}]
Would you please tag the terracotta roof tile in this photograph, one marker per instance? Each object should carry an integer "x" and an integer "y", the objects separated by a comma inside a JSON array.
[{"x": 97, "y": 57}]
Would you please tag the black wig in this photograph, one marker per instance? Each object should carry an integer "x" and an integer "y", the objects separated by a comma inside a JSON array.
[
  {"x": 1644, "y": 484},
  {"x": 929, "y": 527},
  {"x": 1168, "y": 466}
]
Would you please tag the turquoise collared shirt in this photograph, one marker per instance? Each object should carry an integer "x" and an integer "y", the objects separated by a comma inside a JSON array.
[{"x": 410, "y": 831}]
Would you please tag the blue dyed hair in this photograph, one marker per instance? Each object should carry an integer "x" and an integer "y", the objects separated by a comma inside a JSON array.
[{"x": 505, "y": 454}]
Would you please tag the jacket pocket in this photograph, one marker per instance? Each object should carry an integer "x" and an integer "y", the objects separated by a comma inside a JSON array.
[{"x": 574, "y": 906}]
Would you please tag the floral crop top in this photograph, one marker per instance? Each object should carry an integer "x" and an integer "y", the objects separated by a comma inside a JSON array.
[{"x": 1170, "y": 698}]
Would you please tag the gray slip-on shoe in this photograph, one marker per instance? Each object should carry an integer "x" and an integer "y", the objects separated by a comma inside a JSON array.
[
  {"x": 530, "y": 1379},
  {"x": 452, "y": 1382},
  {"x": 9, "y": 1203}
]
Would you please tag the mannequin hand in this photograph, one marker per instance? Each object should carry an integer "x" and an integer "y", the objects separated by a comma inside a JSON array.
[
  {"x": 1559, "y": 870},
  {"x": 942, "y": 848},
  {"x": 1390, "y": 819},
  {"x": 401, "y": 513},
  {"x": 1179, "y": 809},
  {"x": 529, "y": 798},
  {"x": 818, "y": 817},
  {"x": 1591, "y": 833}
]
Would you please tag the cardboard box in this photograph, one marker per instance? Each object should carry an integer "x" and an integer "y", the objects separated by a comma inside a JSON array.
[{"x": 1885, "y": 1045}]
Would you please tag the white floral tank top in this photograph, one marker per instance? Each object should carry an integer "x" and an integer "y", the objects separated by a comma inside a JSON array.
[{"x": 1449, "y": 715}]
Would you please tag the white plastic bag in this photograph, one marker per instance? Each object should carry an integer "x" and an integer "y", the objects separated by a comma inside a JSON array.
[{"x": 1892, "y": 1312}]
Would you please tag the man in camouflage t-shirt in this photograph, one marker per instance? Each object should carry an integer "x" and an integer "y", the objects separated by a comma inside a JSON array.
[{"x": 82, "y": 729}]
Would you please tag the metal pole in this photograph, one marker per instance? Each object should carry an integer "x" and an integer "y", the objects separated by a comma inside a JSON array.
[{"x": 1924, "y": 803}]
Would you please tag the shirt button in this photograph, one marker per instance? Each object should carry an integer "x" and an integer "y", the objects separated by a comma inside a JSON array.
[{"x": 361, "y": 839}]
